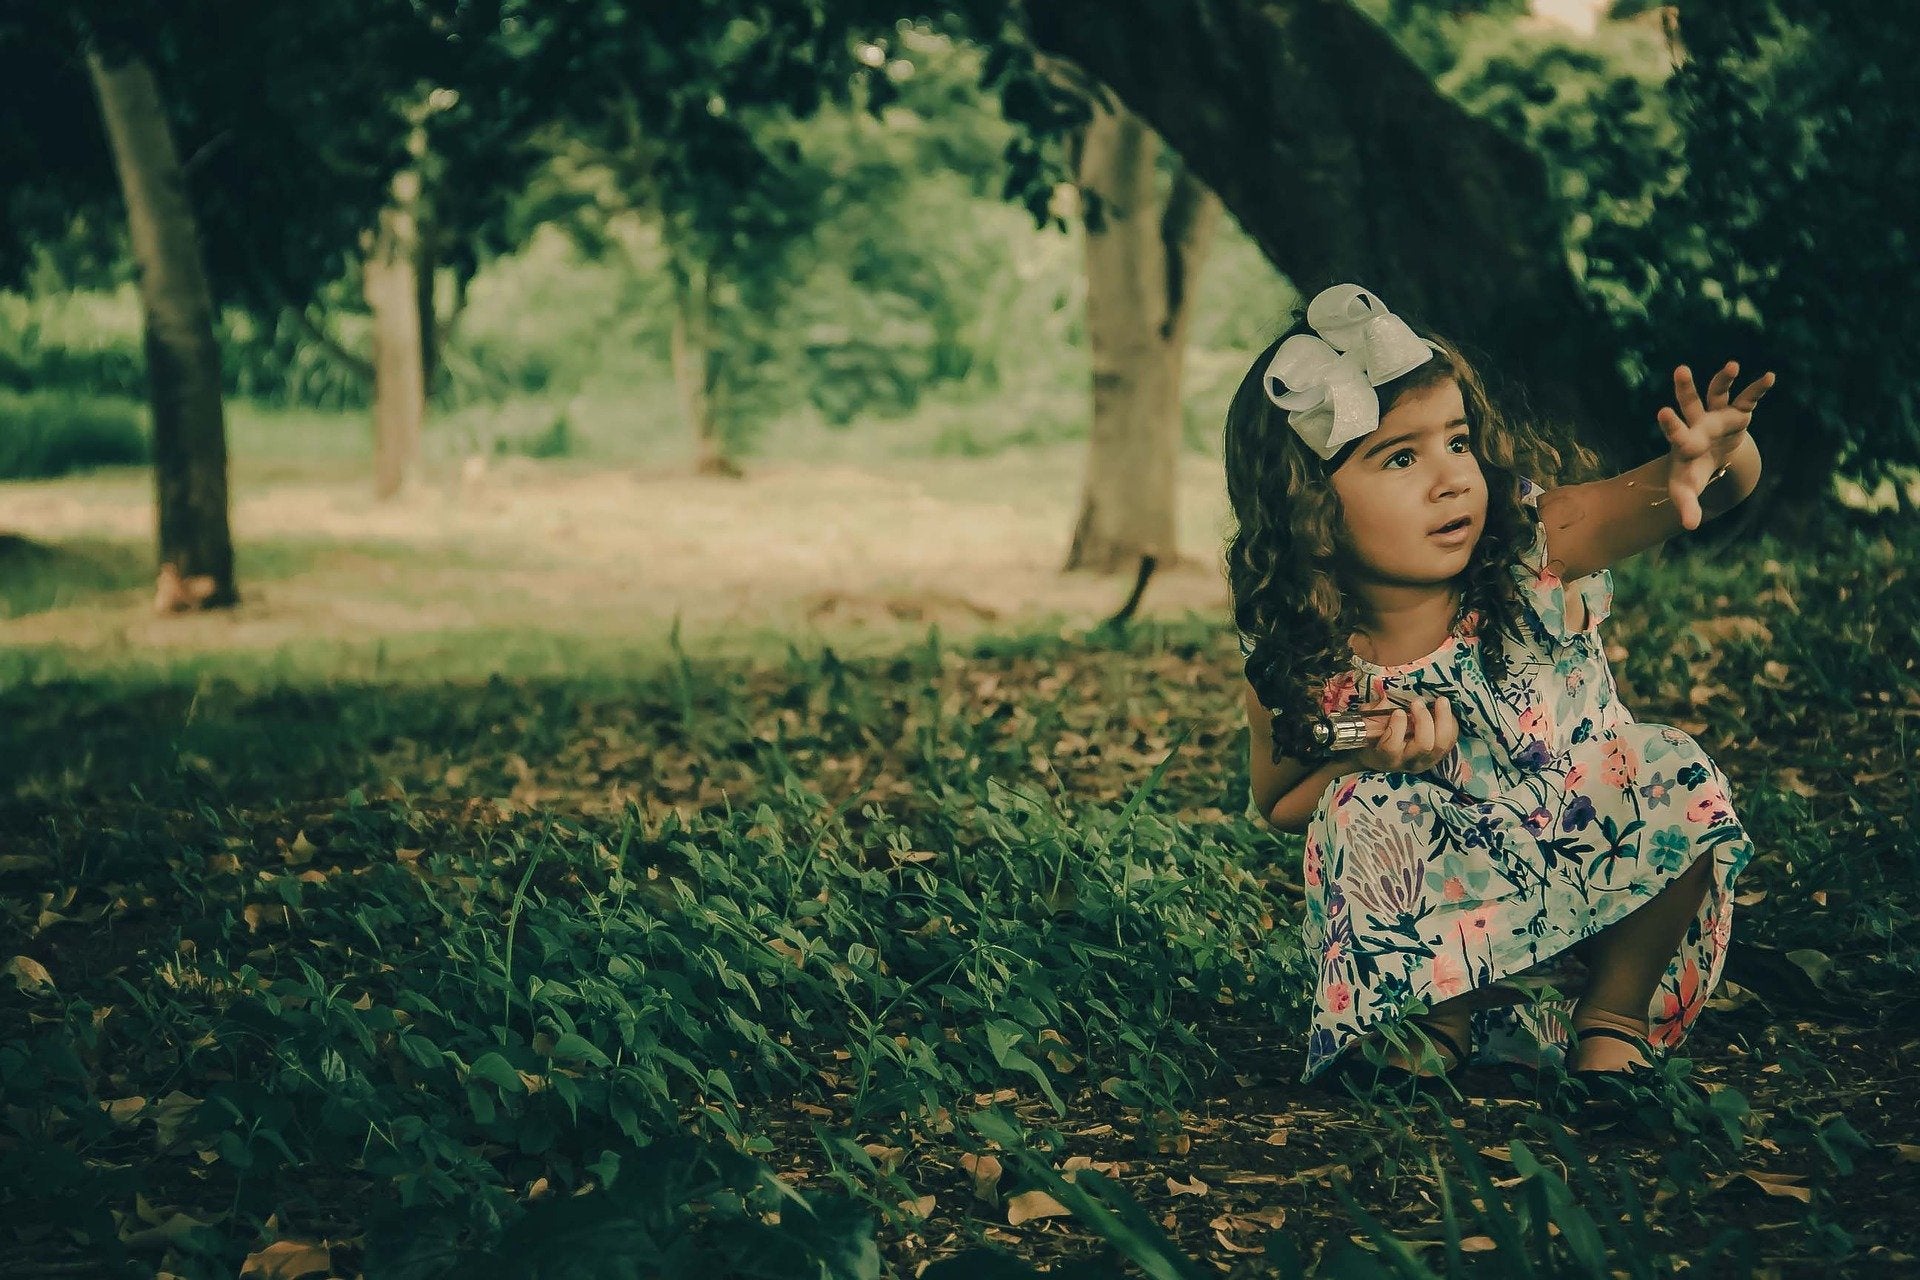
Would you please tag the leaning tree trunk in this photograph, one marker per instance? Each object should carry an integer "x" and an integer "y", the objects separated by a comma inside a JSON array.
[
  {"x": 695, "y": 371},
  {"x": 1142, "y": 258},
  {"x": 183, "y": 358},
  {"x": 390, "y": 280},
  {"x": 1342, "y": 160}
]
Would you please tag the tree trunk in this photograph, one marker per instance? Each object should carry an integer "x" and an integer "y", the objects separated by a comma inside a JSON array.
[
  {"x": 183, "y": 359},
  {"x": 1344, "y": 162},
  {"x": 694, "y": 369},
  {"x": 426, "y": 267},
  {"x": 1142, "y": 256},
  {"x": 390, "y": 282}
]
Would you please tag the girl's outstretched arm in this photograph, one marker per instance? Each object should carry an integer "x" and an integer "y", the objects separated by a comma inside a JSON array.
[{"x": 1711, "y": 465}]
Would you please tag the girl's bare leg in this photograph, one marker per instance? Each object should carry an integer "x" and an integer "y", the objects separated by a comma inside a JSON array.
[{"x": 1624, "y": 964}]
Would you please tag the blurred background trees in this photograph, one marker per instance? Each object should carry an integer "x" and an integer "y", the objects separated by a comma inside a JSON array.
[{"x": 682, "y": 234}]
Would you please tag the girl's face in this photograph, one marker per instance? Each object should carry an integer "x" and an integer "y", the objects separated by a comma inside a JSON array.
[{"x": 1414, "y": 475}]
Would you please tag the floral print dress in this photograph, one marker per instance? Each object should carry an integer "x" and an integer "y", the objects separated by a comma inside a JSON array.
[{"x": 1556, "y": 815}]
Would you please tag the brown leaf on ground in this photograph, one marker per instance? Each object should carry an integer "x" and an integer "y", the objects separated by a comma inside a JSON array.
[
  {"x": 287, "y": 1260},
  {"x": 1029, "y": 1205},
  {"x": 985, "y": 1171}
]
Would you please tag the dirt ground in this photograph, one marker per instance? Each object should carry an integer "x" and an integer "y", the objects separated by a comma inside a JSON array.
[{"x": 851, "y": 554}]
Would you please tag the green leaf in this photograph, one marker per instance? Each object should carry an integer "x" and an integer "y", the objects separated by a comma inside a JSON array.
[
  {"x": 574, "y": 1047},
  {"x": 496, "y": 1070}
]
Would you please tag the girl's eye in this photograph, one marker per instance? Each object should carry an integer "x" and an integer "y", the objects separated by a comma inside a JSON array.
[{"x": 1408, "y": 453}]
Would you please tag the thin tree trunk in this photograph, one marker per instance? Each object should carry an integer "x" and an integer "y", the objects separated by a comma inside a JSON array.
[
  {"x": 183, "y": 358},
  {"x": 1342, "y": 160},
  {"x": 391, "y": 285},
  {"x": 1142, "y": 256},
  {"x": 426, "y": 267},
  {"x": 694, "y": 370}
]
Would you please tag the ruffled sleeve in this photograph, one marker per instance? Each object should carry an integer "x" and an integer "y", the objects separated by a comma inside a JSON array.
[{"x": 1543, "y": 591}]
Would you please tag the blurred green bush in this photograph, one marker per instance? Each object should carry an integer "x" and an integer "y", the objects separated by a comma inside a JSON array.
[{"x": 52, "y": 433}]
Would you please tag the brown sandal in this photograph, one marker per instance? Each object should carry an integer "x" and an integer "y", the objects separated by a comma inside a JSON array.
[{"x": 1629, "y": 1074}]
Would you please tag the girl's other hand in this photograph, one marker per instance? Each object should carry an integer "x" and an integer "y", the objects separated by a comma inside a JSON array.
[
  {"x": 1702, "y": 441},
  {"x": 1415, "y": 738}
]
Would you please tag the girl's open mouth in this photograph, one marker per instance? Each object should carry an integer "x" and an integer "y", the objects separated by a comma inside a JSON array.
[{"x": 1457, "y": 526}]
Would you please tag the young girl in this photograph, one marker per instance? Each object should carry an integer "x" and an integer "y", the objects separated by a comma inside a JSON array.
[{"x": 1510, "y": 821}]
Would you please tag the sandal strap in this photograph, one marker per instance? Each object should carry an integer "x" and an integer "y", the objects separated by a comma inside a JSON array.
[{"x": 1614, "y": 1033}]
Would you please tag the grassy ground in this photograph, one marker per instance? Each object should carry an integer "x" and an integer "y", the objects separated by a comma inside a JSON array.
[
  {"x": 320, "y": 948},
  {"x": 563, "y": 563}
]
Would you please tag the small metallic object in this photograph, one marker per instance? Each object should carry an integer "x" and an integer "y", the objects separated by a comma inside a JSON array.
[{"x": 1347, "y": 731}]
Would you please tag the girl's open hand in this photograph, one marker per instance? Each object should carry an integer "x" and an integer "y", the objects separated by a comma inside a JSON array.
[
  {"x": 1704, "y": 438},
  {"x": 1415, "y": 738}
]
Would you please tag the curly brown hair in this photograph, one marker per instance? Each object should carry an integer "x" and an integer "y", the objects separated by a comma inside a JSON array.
[{"x": 1286, "y": 558}]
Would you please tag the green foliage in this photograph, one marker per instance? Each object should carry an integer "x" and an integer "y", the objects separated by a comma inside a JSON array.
[
  {"x": 677, "y": 1209},
  {"x": 53, "y": 434},
  {"x": 909, "y": 269},
  {"x": 1803, "y": 191},
  {"x": 1595, "y": 110},
  {"x": 1702, "y": 207},
  {"x": 554, "y": 441},
  {"x": 462, "y": 1017},
  {"x": 78, "y": 342}
]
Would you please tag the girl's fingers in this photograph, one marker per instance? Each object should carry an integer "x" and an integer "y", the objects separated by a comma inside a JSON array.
[
  {"x": 1721, "y": 384},
  {"x": 1750, "y": 395},
  {"x": 1677, "y": 432},
  {"x": 1422, "y": 740},
  {"x": 1394, "y": 740},
  {"x": 1685, "y": 392}
]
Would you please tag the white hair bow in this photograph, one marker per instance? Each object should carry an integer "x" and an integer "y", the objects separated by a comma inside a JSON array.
[{"x": 1326, "y": 383}]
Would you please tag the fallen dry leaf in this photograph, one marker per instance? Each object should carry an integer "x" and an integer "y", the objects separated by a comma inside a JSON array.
[
  {"x": 123, "y": 1110},
  {"x": 286, "y": 1260},
  {"x": 29, "y": 975},
  {"x": 986, "y": 1174},
  {"x": 262, "y": 913},
  {"x": 888, "y": 1158},
  {"x": 1193, "y": 1188},
  {"x": 1223, "y": 1227},
  {"x": 1029, "y": 1205},
  {"x": 1774, "y": 1184}
]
